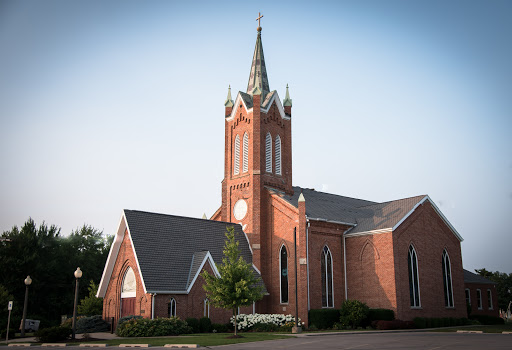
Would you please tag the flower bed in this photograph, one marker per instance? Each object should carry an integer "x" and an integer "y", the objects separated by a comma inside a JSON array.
[{"x": 248, "y": 322}]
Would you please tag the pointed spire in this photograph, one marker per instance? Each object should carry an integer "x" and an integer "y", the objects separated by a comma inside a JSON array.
[
  {"x": 287, "y": 100},
  {"x": 301, "y": 198},
  {"x": 229, "y": 101},
  {"x": 204, "y": 216},
  {"x": 258, "y": 76}
]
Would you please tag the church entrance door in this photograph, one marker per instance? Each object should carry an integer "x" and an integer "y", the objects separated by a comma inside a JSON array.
[{"x": 127, "y": 307}]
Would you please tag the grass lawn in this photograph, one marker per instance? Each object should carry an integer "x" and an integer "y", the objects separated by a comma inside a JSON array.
[
  {"x": 205, "y": 339},
  {"x": 486, "y": 329}
]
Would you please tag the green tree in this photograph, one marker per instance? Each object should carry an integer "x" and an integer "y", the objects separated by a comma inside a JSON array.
[
  {"x": 353, "y": 312},
  {"x": 90, "y": 305},
  {"x": 237, "y": 285},
  {"x": 503, "y": 287}
]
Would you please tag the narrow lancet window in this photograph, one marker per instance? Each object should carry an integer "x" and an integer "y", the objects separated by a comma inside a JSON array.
[
  {"x": 414, "y": 285},
  {"x": 172, "y": 307},
  {"x": 447, "y": 280},
  {"x": 245, "y": 158},
  {"x": 283, "y": 274},
  {"x": 237, "y": 155},
  {"x": 268, "y": 153},
  {"x": 278, "y": 155},
  {"x": 326, "y": 273}
]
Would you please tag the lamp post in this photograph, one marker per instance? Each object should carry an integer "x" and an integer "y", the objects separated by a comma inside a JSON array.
[
  {"x": 28, "y": 282},
  {"x": 78, "y": 275}
]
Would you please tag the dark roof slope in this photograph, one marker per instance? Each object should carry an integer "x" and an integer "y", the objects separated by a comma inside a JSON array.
[
  {"x": 470, "y": 277},
  {"x": 171, "y": 248},
  {"x": 366, "y": 215}
]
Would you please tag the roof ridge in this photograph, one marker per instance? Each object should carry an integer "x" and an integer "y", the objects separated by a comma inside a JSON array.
[
  {"x": 394, "y": 200},
  {"x": 337, "y": 195},
  {"x": 182, "y": 216}
]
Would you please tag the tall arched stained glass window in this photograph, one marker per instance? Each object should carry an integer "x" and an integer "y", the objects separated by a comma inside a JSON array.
[
  {"x": 447, "y": 280},
  {"x": 414, "y": 284},
  {"x": 268, "y": 153},
  {"x": 326, "y": 273},
  {"x": 171, "y": 308},
  {"x": 283, "y": 274},
  {"x": 236, "y": 169},
  {"x": 245, "y": 152},
  {"x": 278, "y": 155}
]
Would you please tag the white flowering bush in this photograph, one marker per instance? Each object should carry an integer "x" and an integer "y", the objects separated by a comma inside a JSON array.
[{"x": 247, "y": 322}]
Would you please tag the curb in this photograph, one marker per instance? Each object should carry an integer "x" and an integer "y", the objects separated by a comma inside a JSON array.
[
  {"x": 190, "y": 346},
  {"x": 133, "y": 345},
  {"x": 54, "y": 344},
  {"x": 93, "y": 345},
  {"x": 20, "y": 344},
  {"x": 472, "y": 332}
]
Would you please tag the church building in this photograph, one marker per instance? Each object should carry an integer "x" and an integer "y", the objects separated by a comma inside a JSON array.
[{"x": 402, "y": 254}]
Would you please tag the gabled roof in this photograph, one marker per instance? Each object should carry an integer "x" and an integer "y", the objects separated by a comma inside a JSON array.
[
  {"x": 365, "y": 216},
  {"x": 470, "y": 277},
  {"x": 171, "y": 250}
]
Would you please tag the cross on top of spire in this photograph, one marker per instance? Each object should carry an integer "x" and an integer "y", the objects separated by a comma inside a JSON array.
[{"x": 260, "y": 16}]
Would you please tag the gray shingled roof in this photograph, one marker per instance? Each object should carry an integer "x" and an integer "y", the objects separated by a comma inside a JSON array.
[
  {"x": 171, "y": 248},
  {"x": 470, "y": 277},
  {"x": 366, "y": 215}
]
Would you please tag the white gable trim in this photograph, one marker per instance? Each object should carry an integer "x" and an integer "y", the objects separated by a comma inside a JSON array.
[
  {"x": 112, "y": 258},
  {"x": 427, "y": 198},
  {"x": 257, "y": 270},
  {"x": 207, "y": 257},
  {"x": 366, "y": 233},
  {"x": 275, "y": 98}
]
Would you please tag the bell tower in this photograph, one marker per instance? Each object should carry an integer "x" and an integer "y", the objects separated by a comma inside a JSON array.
[{"x": 257, "y": 152}]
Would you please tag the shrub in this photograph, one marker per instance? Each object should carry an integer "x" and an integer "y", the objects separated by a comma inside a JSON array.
[
  {"x": 205, "y": 325},
  {"x": 91, "y": 324},
  {"x": 420, "y": 322},
  {"x": 381, "y": 314},
  {"x": 193, "y": 323},
  {"x": 126, "y": 318},
  {"x": 143, "y": 327},
  {"x": 488, "y": 320},
  {"x": 247, "y": 322},
  {"x": 353, "y": 312},
  {"x": 219, "y": 328},
  {"x": 395, "y": 324},
  {"x": 53, "y": 334},
  {"x": 3, "y": 334},
  {"x": 265, "y": 327},
  {"x": 287, "y": 327},
  {"x": 323, "y": 318}
]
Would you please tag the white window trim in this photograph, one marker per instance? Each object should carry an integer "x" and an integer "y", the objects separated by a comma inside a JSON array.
[
  {"x": 479, "y": 302},
  {"x": 445, "y": 253},
  {"x": 245, "y": 153},
  {"x": 280, "y": 274},
  {"x": 415, "y": 273},
  {"x": 469, "y": 294},
  {"x": 326, "y": 282},
  {"x": 279, "y": 156},
  {"x": 173, "y": 301},
  {"x": 268, "y": 153},
  {"x": 236, "y": 167},
  {"x": 206, "y": 308},
  {"x": 489, "y": 299}
]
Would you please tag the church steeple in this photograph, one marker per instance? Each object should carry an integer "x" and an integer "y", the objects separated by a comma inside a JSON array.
[{"x": 258, "y": 77}]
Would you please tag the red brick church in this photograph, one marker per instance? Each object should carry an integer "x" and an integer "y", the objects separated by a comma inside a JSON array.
[{"x": 402, "y": 254}]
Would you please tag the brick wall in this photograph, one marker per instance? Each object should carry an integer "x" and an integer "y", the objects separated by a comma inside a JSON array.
[{"x": 487, "y": 308}]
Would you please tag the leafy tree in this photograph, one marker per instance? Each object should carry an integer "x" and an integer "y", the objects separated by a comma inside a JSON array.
[
  {"x": 237, "y": 285},
  {"x": 90, "y": 305},
  {"x": 503, "y": 287},
  {"x": 5, "y": 297}
]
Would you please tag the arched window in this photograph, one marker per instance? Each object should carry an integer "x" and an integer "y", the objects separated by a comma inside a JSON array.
[
  {"x": 447, "y": 280},
  {"x": 129, "y": 288},
  {"x": 283, "y": 274},
  {"x": 237, "y": 155},
  {"x": 414, "y": 285},
  {"x": 268, "y": 153},
  {"x": 245, "y": 158},
  {"x": 206, "y": 308},
  {"x": 326, "y": 273},
  {"x": 278, "y": 155},
  {"x": 171, "y": 307}
]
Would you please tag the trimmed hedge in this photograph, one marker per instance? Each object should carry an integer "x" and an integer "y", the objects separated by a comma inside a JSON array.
[
  {"x": 395, "y": 324},
  {"x": 53, "y": 334},
  {"x": 193, "y": 323},
  {"x": 205, "y": 325},
  {"x": 219, "y": 327},
  {"x": 488, "y": 320},
  {"x": 92, "y": 324},
  {"x": 381, "y": 314},
  {"x": 143, "y": 327},
  {"x": 434, "y": 322},
  {"x": 323, "y": 318}
]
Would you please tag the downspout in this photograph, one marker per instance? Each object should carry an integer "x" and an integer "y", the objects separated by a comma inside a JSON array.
[
  {"x": 345, "y": 261},
  {"x": 307, "y": 255},
  {"x": 153, "y": 295}
]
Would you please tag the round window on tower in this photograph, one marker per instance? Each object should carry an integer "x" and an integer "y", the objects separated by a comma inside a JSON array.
[{"x": 240, "y": 209}]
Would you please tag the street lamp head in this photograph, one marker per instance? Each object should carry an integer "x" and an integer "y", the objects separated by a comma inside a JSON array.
[
  {"x": 78, "y": 273},
  {"x": 28, "y": 281}
]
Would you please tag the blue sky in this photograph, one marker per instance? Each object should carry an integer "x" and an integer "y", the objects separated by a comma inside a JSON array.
[{"x": 119, "y": 104}]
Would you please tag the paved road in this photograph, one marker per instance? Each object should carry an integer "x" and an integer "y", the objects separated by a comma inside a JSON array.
[{"x": 382, "y": 341}]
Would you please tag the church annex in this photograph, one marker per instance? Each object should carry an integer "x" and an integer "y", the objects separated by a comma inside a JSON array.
[{"x": 402, "y": 254}]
